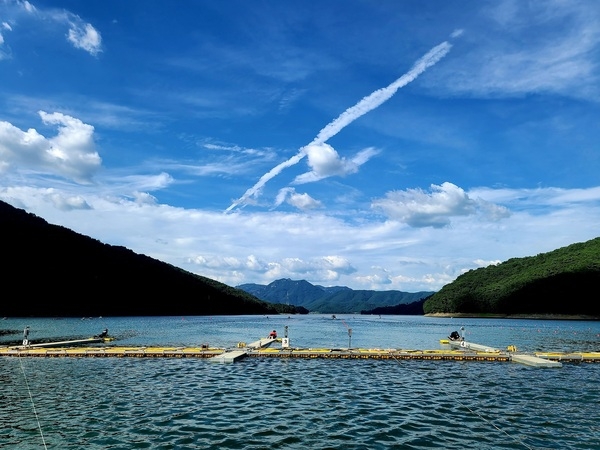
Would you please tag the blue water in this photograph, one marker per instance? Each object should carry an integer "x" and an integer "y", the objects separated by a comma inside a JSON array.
[{"x": 261, "y": 403}]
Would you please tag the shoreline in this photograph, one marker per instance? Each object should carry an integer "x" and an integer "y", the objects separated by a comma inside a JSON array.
[{"x": 516, "y": 316}]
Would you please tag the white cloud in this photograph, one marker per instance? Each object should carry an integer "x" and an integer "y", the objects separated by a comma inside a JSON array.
[
  {"x": 303, "y": 201},
  {"x": 421, "y": 209},
  {"x": 491, "y": 211},
  {"x": 80, "y": 34},
  {"x": 326, "y": 269},
  {"x": 27, "y": 6},
  {"x": 67, "y": 203},
  {"x": 540, "y": 197},
  {"x": 300, "y": 201},
  {"x": 85, "y": 37},
  {"x": 364, "y": 254},
  {"x": 457, "y": 33},
  {"x": 518, "y": 48},
  {"x": 4, "y": 50},
  {"x": 375, "y": 281},
  {"x": 144, "y": 198},
  {"x": 322, "y": 269},
  {"x": 139, "y": 183},
  {"x": 325, "y": 162},
  {"x": 60, "y": 200},
  {"x": 70, "y": 154},
  {"x": 482, "y": 263}
]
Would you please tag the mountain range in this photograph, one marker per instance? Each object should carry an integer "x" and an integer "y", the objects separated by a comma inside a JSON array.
[
  {"x": 329, "y": 300},
  {"x": 51, "y": 271}
]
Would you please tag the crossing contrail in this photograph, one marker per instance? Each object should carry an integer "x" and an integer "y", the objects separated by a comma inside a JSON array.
[{"x": 368, "y": 103}]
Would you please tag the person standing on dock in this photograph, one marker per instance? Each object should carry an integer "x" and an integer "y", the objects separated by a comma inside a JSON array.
[{"x": 26, "y": 336}]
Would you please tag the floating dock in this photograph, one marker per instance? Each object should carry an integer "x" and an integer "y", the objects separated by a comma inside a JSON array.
[
  {"x": 528, "y": 360},
  {"x": 232, "y": 355},
  {"x": 535, "y": 361},
  {"x": 235, "y": 355},
  {"x": 229, "y": 357},
  {"x": 452, "y": 350}
]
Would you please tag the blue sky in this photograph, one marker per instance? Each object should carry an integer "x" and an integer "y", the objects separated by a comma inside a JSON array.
[{"x": 377, "y": 145}]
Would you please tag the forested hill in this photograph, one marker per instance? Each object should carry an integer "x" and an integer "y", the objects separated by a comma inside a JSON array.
[
  {"x": 51, "y": 271},
  {"x": 334, "y": 299},
  {"x": 564, "y": 282}
]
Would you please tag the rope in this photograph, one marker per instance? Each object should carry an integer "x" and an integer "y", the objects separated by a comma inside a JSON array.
[
  {"x": 33, "y": 404},
  {"x": 475, "y": 413}
]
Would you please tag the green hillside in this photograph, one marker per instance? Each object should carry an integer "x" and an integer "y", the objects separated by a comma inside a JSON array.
[
  {"x": 564, "y": 281},
  {"x": 351, "y": 301}
]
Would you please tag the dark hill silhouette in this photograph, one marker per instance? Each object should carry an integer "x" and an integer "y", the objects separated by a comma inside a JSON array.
[
  {"x": 406, "y": 309},
  {"x": 51, "y": 271}
]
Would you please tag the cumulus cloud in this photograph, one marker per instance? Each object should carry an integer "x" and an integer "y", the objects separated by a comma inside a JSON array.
[
  {"x": 374, "y": 281},
  {"x": 144, "y": 198},
  {"x": 67, "y": 202},
  {"x": 21, "y": 197},
  {"x": 324, "y": 269},
  {"x": 403, "y": 276},
  {"x": 70, "y": 154},
  {"x": 300, "y": 201},
  {"x": 321, "y": 269},
  {"x": 418, "y": 208},
  {"x": 492, "y": 211},
  {"x": 325, "y": 162},
  {"x": 363, "y": 254}
]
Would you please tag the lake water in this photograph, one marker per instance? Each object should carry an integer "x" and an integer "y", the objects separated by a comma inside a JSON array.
[{"x": 261, "y": 403}]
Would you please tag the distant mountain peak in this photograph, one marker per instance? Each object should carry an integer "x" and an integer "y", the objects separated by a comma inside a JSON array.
[{"x": 327, "y": 300}]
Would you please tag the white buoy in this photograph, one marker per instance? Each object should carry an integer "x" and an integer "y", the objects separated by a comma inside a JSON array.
[{"x": 285, "y": 341}]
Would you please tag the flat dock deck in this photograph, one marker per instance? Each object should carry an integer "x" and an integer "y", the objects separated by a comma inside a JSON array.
[
  {"x": 535, "y": 361},
  {"x": 528, "y": 360},
  {"x": 229, "y": 357},
  {"x": 308, "y": 353}
]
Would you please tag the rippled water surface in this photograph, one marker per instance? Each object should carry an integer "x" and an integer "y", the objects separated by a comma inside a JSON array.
[{"x": 129, "y": 403}]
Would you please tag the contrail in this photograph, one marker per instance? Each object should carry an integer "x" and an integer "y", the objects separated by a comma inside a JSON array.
[{"x": 368, "y": 103}]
